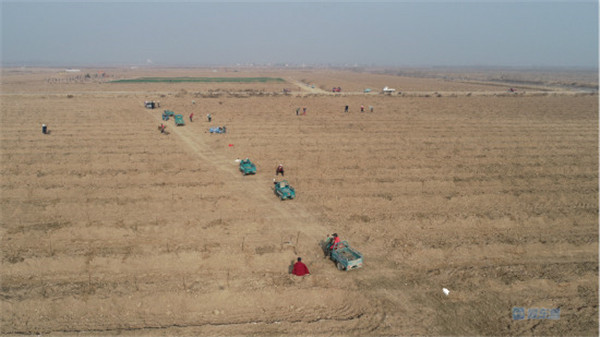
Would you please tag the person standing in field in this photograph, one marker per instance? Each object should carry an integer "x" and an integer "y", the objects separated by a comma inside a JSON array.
[
  {"x": 371, "y": 108},
  {"x": 191, "y": 117},
  {"x": 297, "y": 111},
  {"x": 362, "y": 108},
  {"x": 346, "y": 109},
  {"x": 332, "y": 242},
  {"x": 209, "y": 117},
  {"x": 279, "y": 170},
  {"x": 304, "y": 111}
]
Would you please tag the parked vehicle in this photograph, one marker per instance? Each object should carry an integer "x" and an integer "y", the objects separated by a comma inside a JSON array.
[
  {"x": 283, "y": 190},
  {"x": 218, "y": 129},
  {"x": 151, "y": 104},
  {"x": 247, "y": 167},
  {"x": 344, "y": 257},
  {"x": 179, "y": 120}
]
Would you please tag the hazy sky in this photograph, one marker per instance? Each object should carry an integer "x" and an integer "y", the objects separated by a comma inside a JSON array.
[{"x": 404, "y": 33}]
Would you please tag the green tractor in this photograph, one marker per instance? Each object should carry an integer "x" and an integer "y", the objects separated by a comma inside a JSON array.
[
  {"x": 179, "y": 120},
  {"x": 283, "y": 190},
  {"x": 247, "y": 167}
]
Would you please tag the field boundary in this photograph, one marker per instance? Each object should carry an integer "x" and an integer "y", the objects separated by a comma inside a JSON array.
[{"x": 200, "y": 80}]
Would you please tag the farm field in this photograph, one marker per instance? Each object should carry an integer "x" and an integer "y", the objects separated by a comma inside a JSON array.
[{"x": 108, "y": 227}]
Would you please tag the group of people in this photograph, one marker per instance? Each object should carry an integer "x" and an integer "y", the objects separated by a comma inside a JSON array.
[
  {"x": 298, "y": 111},
  {"x": 299, "y": 268},
  {"x": 346, "y": 109},
  {"x": 191, "y": 116},
  {"x": 208, "y": 117},
  {"x": 362, "y": 108}
]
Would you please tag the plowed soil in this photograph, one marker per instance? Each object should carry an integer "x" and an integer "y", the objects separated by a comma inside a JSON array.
[{"x": 109, "y": 227}]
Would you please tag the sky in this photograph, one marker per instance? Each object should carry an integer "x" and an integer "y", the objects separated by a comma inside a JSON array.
[{"x": 367, "y": 33}]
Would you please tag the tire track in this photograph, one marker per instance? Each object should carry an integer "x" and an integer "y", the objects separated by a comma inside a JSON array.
[
  {"x": 272, "y": 321},
  {"x": 293, "y": 216},
  {"x": 259, "y": 186}
]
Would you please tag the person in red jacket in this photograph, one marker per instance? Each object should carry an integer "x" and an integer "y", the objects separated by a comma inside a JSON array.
[
  {"x": 279, "y": 170},
  {"x": 335, "y": 240},
  {"x": 300, "y": 269},
  {"x": 330, "y": 244}
]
